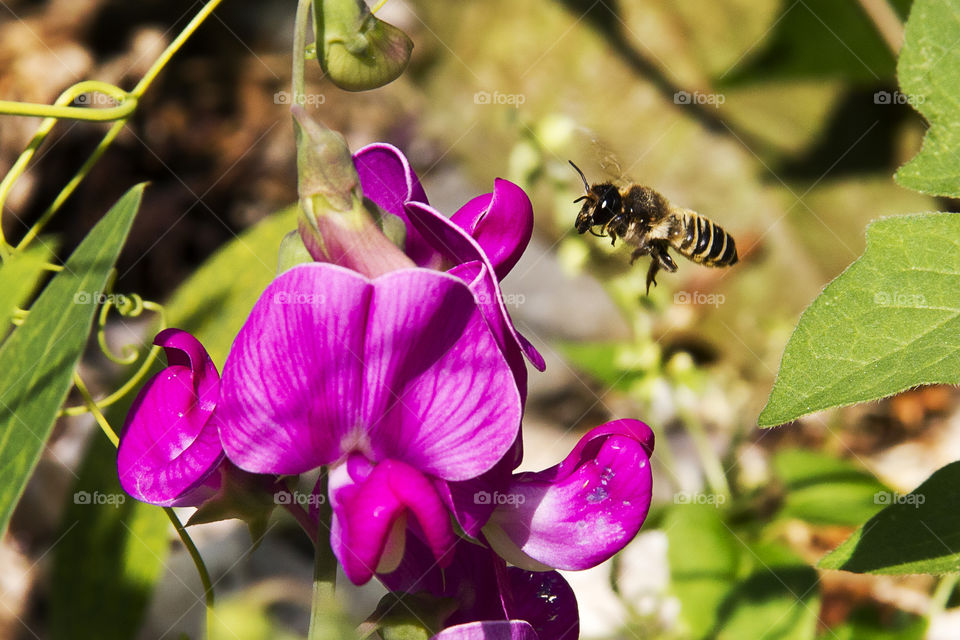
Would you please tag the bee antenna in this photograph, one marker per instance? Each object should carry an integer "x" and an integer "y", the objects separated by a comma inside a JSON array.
[
  {"x": 586, "y": 185},
  {"x": 581, "y": 198}
]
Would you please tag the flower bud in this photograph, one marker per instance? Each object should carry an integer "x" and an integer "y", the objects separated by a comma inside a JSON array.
[
  {"x": 357, "y": 50},
  {"x": 335, "y": 225}
]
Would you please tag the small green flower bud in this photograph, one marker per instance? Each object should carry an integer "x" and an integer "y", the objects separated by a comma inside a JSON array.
[
  {"x": 335, "y": 225},
  {"x": 357, "y": 50}
]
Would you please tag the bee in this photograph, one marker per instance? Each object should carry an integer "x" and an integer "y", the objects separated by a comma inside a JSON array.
[{"x": 645, "y": 219}]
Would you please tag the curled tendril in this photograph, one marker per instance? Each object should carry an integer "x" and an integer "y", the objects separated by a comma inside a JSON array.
[{"x": 128, "y": 306}]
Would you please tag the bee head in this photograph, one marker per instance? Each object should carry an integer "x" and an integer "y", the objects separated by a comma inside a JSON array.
[{"x": 601, "y": 203}]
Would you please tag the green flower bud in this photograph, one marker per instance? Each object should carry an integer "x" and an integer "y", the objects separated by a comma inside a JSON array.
[
  {"x": 357, "y": 50},
  {"x": 335, "y": 225}
]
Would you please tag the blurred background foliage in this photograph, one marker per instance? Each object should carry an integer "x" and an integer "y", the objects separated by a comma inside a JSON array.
[{"x": 778, "y": 119}]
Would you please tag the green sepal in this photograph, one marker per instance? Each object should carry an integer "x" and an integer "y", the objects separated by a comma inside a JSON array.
[{"x": 359, "y": 51}]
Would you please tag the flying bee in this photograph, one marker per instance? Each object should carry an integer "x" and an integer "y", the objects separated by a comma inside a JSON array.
[{"x": 645, "y": 219}]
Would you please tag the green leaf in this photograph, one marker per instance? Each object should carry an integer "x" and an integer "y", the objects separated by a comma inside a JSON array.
[
  {"x": 214, "y": 303},
  {"x": 886, "y": 324},
  {"x": 703, "y": 557},
  {"x": 824, "y": 490},
  {"x": 821, "y": 39},
  {"x": 929, "y": 73},
  {"x": 110, "y": 553},
  {"x": 779, "y": 600},
  {"x": 38, "y": 359},
  {"x": 18, "y": 277},
  {"x": 917, "y": 533}
]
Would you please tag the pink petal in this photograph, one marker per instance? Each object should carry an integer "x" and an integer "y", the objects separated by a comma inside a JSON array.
[
  {"x": 387, "y": 178},
  {"x": 489, "y": 630},
  {"x": 501, "y": 222},
  {"x": 581, "y": 512},
  {"x": 459, "y": 247},
  {"x": 370, "y": 506},
  {"x": 401, "y": 367},
  {"x": 168, "y": 446}
]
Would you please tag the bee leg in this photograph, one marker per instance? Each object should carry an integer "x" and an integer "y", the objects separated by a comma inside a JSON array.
[
  {"x": 664, "y": 258},
  {"x": 639, "y": 252},
  {"x": 659, "y": 259},
  {"x": 652, "y": 274}
]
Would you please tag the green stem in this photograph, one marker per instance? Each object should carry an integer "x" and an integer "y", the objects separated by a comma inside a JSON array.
[
  {"x": 300, "y": 27},
  {"x": 712, "y": 467},
  {"x": 126, "y": 104},
  {"x": 129, "y": 102},
  {"x": 173, "y": 47},
  {"x": 197, "y": 562},
  {"x": 323, "y": 606},
  {"x": 941, "y": 596}
]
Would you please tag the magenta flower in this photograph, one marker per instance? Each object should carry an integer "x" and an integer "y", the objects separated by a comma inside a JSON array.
[
  {"x": 582, "y": 511},
  {"x": 169, "y": 448},
  {"x": 480, "y": 243},
  {"x": 396, "y": 383}
]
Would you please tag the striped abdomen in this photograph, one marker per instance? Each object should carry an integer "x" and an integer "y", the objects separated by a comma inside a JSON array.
[{"x": 706, "y": 242}]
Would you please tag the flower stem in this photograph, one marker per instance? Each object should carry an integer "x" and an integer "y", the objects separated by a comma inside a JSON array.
[
  {"x": 323, "y": 606},
  {"x": 887, "y": 22},
  {"x": 197, "y": 562},
  {"x": 300, "y": 27},
  {"x": 712, "y": 468},
  {"x": 941, "y": 596}
]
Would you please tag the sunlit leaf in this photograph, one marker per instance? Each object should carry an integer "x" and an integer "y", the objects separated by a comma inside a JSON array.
[
  {"x": 917, "y": 533},
  {"x": 38, "y": 359},
  {"x": 929, "y": 73},
  {"x": 18, "y": 278},
  {"x": 888, "y": 323}
]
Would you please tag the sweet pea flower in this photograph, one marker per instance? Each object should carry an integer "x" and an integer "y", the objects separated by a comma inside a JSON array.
[
  {"x": 582, "y": 511},
  {"x": 395, "y": 383},
  {"x": 169, "y": 449}
]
